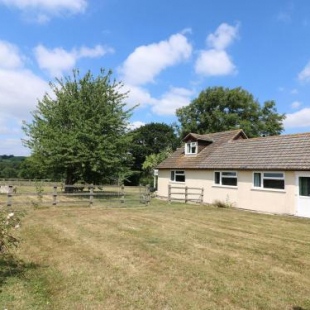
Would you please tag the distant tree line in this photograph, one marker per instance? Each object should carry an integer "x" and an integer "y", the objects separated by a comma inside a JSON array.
[{"x": 10, "y": 166}]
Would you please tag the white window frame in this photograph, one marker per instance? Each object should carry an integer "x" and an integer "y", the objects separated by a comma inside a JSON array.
[
  {"x": 189, "y": 148},
  {"x": 174, "y": 175},
  {"x": 267, "y": 175},
  {"x": 225, "y": 175}
]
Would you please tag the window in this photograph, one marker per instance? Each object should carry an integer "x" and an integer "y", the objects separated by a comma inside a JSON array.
[
  {"x": 191, "y": 148},
  {"x": 228, "y": 178},
  {"x": 177, "y": 176},
  {"x": 272, "y": 180},
  {"x": 304, "y": 186}
]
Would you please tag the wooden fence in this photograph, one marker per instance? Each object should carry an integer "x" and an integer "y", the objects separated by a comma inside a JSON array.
[
  {"x": 185, "y": 193},
  {"x": 59, "y": 195}
]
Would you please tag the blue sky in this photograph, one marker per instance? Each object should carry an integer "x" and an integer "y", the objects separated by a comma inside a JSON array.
[{"x": 165, "y": 52}]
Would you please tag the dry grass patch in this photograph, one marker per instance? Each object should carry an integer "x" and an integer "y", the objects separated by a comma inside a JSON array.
[{"x": 160, "y": 257}]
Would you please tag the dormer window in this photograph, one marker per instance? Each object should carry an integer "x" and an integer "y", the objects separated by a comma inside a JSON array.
[{"x": 191, "y": 148}]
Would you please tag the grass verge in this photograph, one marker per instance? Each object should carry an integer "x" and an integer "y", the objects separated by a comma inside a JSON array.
[{"x": 158, "y": 257}]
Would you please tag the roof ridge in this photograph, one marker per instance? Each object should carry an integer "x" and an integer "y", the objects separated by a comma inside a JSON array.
[{"x": 276, "y": 136}]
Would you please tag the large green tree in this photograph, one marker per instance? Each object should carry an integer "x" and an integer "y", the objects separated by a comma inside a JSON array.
[
  {"x": 79, "y": 131},
  {"x": 219, "y": 109},
  {"x": 152, "y": 138}
]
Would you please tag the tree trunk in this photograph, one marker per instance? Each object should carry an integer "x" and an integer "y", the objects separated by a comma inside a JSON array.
[{"x": 70, "y": 180}]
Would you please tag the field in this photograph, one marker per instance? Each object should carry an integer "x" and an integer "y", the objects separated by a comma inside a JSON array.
[{"x": 161, "y": 256}]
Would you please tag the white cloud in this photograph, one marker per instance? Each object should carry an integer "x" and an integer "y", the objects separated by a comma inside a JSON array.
[
  {"x": 135, "y": 125},
  {"x": 10, "y": 56},
  {"x": 19, "y": 91},
  {"x": 223, "y": 36},
  {"x": 55, "y": 61},
  {"x": 175, "y": 98},
  {"x": 58, "y": 60},
  {"x": 95, "y": 52},
  {"x": 215, "y": 60},
  {"x": 138, "y": 96},
  {"x": 304, "y": 75},
  {"x": 53, "y": 5},
  {"x": 298, "y": 119},
  {"x": 44, "y": 9},
  {"x": 296, "y": 104},
  {"x": 147, "y": 61}
]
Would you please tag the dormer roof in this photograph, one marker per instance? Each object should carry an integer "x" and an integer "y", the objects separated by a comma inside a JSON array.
[
  {"x": 179, "y": 160},
  {"x": 196, "y": 137}
]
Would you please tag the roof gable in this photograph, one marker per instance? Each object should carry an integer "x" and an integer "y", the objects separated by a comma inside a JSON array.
[
  {"x": 196, "y": 137},
  {"x": 217, "y": 136}
]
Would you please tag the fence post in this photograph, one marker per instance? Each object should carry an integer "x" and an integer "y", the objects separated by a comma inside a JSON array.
[
  {"x": 148, "y": 195},
  {"x": 54, "y": 195},
  {"x": 201, "y": 196},
  {"x": 10, "y": 190},
  {"x": 186, "y": 194},
  {"x": 91, "y": 195},
  {"x": 122, "y": 194},
  {"x": 169, "y": 193}
]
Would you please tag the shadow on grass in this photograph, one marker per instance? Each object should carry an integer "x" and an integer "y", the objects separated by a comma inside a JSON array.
[{"x": 11, "y": 267}]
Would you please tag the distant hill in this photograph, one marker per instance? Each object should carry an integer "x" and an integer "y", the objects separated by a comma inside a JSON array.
[{"x": 12, "y": 158}]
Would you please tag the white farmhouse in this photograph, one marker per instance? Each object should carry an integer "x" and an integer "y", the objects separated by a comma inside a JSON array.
[{"x": 267, "y": 174}]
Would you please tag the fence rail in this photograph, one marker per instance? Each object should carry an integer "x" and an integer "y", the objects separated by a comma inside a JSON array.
[
  {"x": 56, "y": 195},
  {"x": 185, "y": 193}
]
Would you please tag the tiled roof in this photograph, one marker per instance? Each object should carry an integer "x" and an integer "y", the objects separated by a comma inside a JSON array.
[{"x": 285, "y": 152}]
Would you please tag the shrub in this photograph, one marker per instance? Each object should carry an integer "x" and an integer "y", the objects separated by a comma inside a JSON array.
[
  {"x": 9, "y": 222},
  {"x": 222, "y": 204}
]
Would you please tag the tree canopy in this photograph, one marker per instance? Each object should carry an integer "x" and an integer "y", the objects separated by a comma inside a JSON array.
[
  {"x": 152, "y": 138},
  {"x": 79, "y": 132},
  {"x": 218, "y": 109},
  {"x": 153, "y": 160}
]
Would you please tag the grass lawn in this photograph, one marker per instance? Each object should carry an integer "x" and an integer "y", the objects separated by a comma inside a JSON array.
[{"x": 158, "y": 257}]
